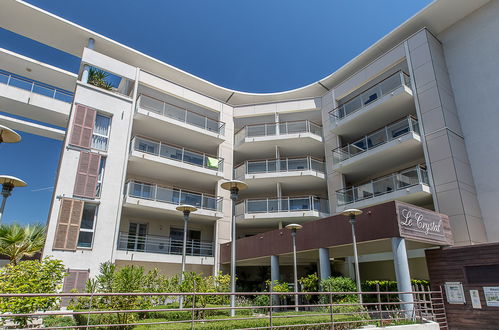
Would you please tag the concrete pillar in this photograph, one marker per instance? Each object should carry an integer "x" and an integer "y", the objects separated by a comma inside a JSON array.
[
  {"x": 401, "y": 264},
  {"x": 86, "y": 68},
  {"x": 350, "y": 267},
  {"x": 324, "y": 264},
  {"x": 277, "y": 128},
  {"x": 274, "y": 275},
  {"x": 279, "y": 190}
]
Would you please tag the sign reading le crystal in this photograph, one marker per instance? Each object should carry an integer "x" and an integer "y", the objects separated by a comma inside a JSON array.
[{"x": 419, "y": 223}]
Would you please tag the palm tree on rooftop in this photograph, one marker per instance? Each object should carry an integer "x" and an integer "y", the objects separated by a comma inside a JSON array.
[
  {"x": 98, "y": 78},
  {"x": 18, "y": 241}
]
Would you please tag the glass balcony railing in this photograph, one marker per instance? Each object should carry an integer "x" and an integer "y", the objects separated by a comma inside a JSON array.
[
  {"x": 36, "y": 87},
  {"x": 400, "y": 180},
  {"x": 278, "y": 166},
  {"x": 275, "y": 129},
  {"x": 163, "y": 245},
  {"x": 369, "y": 96},
  {"x": 284, "y": 204},
  {"x": 376, "y": 139},
  {"x": 173, "y": 196},
  {"x": 176, "y": 153},
  {"x": 186, "y": 116}
]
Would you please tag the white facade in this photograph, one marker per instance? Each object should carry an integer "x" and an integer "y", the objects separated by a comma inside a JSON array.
[{"x": 405, "y": 120}]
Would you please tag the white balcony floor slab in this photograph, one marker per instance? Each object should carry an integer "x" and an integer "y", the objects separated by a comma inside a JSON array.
[
  {"x": 269, "y": 219},
  {"x": 291, "y": 181},
  {"x": 160, "y": 257}
]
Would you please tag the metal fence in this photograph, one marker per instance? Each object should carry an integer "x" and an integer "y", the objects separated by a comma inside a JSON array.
[
  {"x": 173, "y": 196},
  {"x": 186, "y": 116},
  {"x": 376, "y": 139},
  {"x": 27, "y": 84},
  {"x": 370, "y": 95},
  {"x": 163, "y": 245},
  {"x": 180, "y": 154},
  {"x": 320, "y": 310}
]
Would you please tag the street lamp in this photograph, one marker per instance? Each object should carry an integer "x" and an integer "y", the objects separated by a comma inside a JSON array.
[
  {"x": 352, "y": 213},
  {"x": 294, "y": 227},
  {"x": 234, "y": 186},
  {"x": 8, "y": 183},
  {"x": 186, "y": 210},
  {"x": 8, "y": 136}
]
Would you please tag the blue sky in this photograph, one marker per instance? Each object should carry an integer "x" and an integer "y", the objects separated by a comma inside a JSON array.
[{"x": 256, "y": 46}]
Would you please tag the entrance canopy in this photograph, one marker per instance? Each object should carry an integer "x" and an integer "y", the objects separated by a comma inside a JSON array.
[{"x": 375, "y": 228}]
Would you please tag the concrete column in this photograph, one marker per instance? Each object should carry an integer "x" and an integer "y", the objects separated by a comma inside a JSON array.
[
  {"x": 350, "y": 267},
  {"x": 274, "y": 275},
  {"x": 324, "y": 264},
  {"x": 401, "y": 264},
  {"x": 277, "y": 124},
  {"x": 86, "y": 68},
  {"x": 279, "y": 190}
]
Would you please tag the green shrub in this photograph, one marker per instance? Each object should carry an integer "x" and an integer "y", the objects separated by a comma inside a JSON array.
[
  {"x": 59, "y": 321},
  {"x": 30, "y": 276},
  {"x": 339, "y": 284}
]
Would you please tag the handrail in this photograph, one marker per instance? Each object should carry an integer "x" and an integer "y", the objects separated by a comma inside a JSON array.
[
  {"x": 205, "y": 161},
  {"x": 35, "y": 86},
  {"x": 284, "y": 204},
  {"x": 376, "y": 139},
  {"x": 403, "y": 81},
  {"x": 277, "y": 165},
  {"x": 221, "y": 125},
  {"x": 276, "y": 123},
  {"x": 175, "y": 196},
  {"x": 163, "y": 244},
  {"x": 383, "y": 185},
  {"x": 292, "y": 157}
]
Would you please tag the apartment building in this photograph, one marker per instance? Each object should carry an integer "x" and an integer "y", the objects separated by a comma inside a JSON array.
[{"x": 403, "y": 121}]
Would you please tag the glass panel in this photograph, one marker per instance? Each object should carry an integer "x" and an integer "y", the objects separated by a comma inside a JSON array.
[
  {"x": 296, "y": 204},
  {"x": 317, "y": 166},
  {"x": 49, "y": 92},
  {"x": 88, "y": 216},
  {"x": 196, "y": 119},
  {"x": 273, "y": 205},
  {"x": 364, "y": 191},
  {"x": 384, "y": 185},
  {"x": 408, "y": 178},
  {"x": 271, "y": 166},
  {"x": 171, "y": 152},
  {"x": 166, "y": 195},
  {"x": 350, "y": 107},
  {"x": 256, "y": 130},
  {"x": 376, "y": 139},
  {"x": 174, "y": 112},
  {"x": 297, "y": 164},
  {"x": 147, "y": 146},
  {"x": 151, "y": 104},
  {"x": 191, "y": 199},
  {"x": 193, "y": 158},
  {"x": 213, "y": 126},
  {"x": 19, "y": 83},
  {"x": 297, "y": 127},
  {"x": 85, "y": 239},
  {"x": 398, "y": 129},
  {"x": 390, "y": 83},
  {"x": 271, "y": 129},
  {"x": 256, "y": 206},
  {"x": 210, "y": 203},
  {"x": 257, "y": 167}
]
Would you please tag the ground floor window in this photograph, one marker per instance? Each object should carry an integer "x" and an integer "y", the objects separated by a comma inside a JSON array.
[{"x": 87, "y": 225}]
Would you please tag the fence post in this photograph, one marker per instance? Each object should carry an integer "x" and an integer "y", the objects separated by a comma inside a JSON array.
[
  {"x": 193, "y": 304},
  {"x": 270, "y": 304},
  {"x": 380, "y": 307},
  {"x": 331, "y": 311}
]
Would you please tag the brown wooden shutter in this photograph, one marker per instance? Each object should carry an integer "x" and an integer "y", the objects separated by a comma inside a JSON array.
[
  {"x": 83, "y": 126},
  {"x": 68, "y": 224},
  {"x": 75, "y": 279},
  {"x": 87, "y": 174}
]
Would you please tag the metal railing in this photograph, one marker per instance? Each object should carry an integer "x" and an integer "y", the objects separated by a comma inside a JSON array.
[
  {"x": 283, "y": 204},
  {"x": 173, "y": 196},
  {"x": 180, "y": 154},
  {"x": 186, "y": 116},
  {"x": 275, "y": 165},
  {"x": 36, "y": 87},
  {"x": 376, "y": 139},
  {"x": 370, "y": 95},
  {"x": 400, "y": 180},
  {"x": 315, "y": 309},
  {"x": 275, "y": 129},
  {"x": 163, "y": 245}
]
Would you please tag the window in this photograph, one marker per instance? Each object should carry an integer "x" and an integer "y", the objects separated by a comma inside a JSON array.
[
  {"x": 100, "y": 176},
  {"x": 87, "y": 225},
  {"x": 100, "y": 135}
]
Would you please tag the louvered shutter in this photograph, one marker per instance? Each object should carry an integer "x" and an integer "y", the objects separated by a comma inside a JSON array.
[
  {"x": 87, "y": 174},
  {"x": 83, "y": 126},
  {"x": 68, "y": 224},
  {"x": 75, "y": 279}
]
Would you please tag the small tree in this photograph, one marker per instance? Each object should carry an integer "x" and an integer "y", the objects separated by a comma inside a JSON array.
[
  {"x": 18, "y": 241},
  {"x": 310, "y": 283},
  {"x": 99, "y": 78},
  {"x": 30, "y": 276}
]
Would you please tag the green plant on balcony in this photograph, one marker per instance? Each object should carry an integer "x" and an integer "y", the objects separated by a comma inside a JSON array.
[{"x": 99, "y": 78}]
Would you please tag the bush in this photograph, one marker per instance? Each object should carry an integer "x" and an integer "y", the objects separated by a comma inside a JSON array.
[
  {"x": 59, "y": 321},
  {"x": 30, "y": 276},
  {"x": 339, "y": 284},
  {"x": 386, "y": 286}
]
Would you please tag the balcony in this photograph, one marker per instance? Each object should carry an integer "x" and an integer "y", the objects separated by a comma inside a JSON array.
[
  {"x": 163, "y": 245},
  {"x": 35, "y": 100},
  {"x": 376, "y": 106},
  {"x": 165, "y": 199},
  {"x": 192, "y": 127},
  {"x": 262, "y": 175},
  {"x": 410, "y": 185},
  {"x": 293, "y": 138},
  {"x": 264, "y": 211},
  {"x": 173, "y": 163},
  {"x": 392, "y": 146}
]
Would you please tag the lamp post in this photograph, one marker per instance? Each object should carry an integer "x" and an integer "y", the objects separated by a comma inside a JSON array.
[
  {"x": 8, "y": 136},
  {"x": 352, "y": 213},
  {"x": 186, "y": 210},
  {"x": 294, "y": 227},
  {"x": 234, "y": 186},
  {"x": 8, "y": 183}
]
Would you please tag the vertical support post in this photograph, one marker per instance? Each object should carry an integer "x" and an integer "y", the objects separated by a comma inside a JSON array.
[
  {"x": 233, "y": 196},
  {"x": 295, "y": 269},
  {"x": 380, "y": 307},
  {"x": 402, "y": 274},
  {"x": 274, "y": 275},
  {"x": 86, "y": 68},
  {"x": 356, "y": 258},
  {"x": 324, "y": 264}
]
